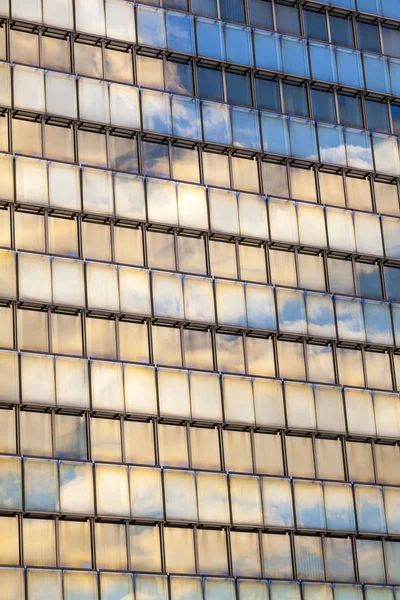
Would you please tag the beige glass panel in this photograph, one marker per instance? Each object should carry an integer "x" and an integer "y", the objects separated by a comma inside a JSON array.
[
  {"x": 145, "y": 552},
  {"x": 150, "y": 585},
  {"x": 268, "y": 453},
  {"x": 5, "y": 228},
  {"x": 106, "y": 439},
  {"x": 309, "y": 557},
  {"x": 291, "y": 360},
  {"x": 192, "y": 257},
  {"x": 140, "y": 390},
  {"x": 64, "y": 185},
  {"x": 101, "y": 340},
  {"x": 339, "y": 507},
  {"x": 368, "y": 234},
  {"x": 29, "y": 88},
  {"x": 27, "y": 137},
  {"x": 387, "y": 414},
  {"x": 35, "y": 434},
  {"x": 277, "y": 502},
  {"x": 237, "y": 451},
  {"x": 199, "y": 299},
  {"x": 212, "y": 550},
  {"x": 37, "y": 373},
  {"x": 387, "y": 464},
  {"x": 96, "y": 241},
  {"x": 311, "y": 272},
  {"x": 28, "y": 11},
  {"x": 320, "y": 363},
  {"x": 370, "y": 561},
  {"x": 120, "y": 20},
  {"x": 205, "y": 395},
  {"x": 245, "y": 554},
  {"x": 118, "y": 65},
  {"x": 174, "y": 396},
  {"x": 24, "y": 47},
  {"x": 300, "y": 457},
  {"x": 283, "y": 268},
  {"x": 102, "y": 283},
  {"x": 340, "y": 230},
  {"x": 179, "y": 550},
  {"x": 41, "y": 485},
  {"x": 109, "y": 582},
  {"x": 260, "y": 356},
  {"x": 268, "y": 402},
  {"x": 161, "y": 250},
  {"x": 329, "y": 458},
  {"x": 350, "y": 367},
  {"x": 112, "y": 490},
  {"x": 128, "y": 245},
  {"x": 180, "y": 495},
  {"x": 238, "y": 399},
  {"x": 224, "y": 215},
  {"x": 59, "y": 145},
  {"x": 34, "y": 278},
  {"x": 311, "y": 223},
  {"x": 76, "y": 488},
  {"x": 192, "y": 206},
  {"x": 6, "y": 327},
  {"x": 63, "y": 236},
  {"x": 124, "y": 106},
  {"x": 246, "y": 500},
  {"x": 97, "y": 191},
  {"x": 386, "y": 198},
  {"x": 245, "y": 174},
  {"x": 339, "y": 559},
  {"x": 129, "y": 196},
  {"x": 75, "y": 547},
  {"x": 359, "y": 193},
  {"x": 360, "y": 412},
  {"x": 331, "y": 189},
  {"x": 198, "y": 349},
  {"x": 133, "y": 342},
  {"x": 216, "y": 169},
  {"x": 382, "y": 593},
  {"x": 66, "y": 331},
  {"x": 107, "y": 386},
  {"x": 146, "y": 493},
  {"x": 223, "y": 259},
  {"x": 277, "y": 556},
  {"x": 72, "y": 382},
  {"x": 391, "y": 497},
  {"x": 32, "y": 330},
  {"x": 275, "y": 179},
  {"x": 312, "y": 591},
  {"x": 134, "y": 291},
  {"x": 172, "y": 443},
  {"x": 93, "y": 100},
  {"x": 10, "y": 473},
  {"x": 360, "y": 462},
  {"x": 92, "y": 150},
  {"x": 110, "y": 546},
  {"x": 162, "y": 202},
  {"x": 186, "y": 587},
  {"x": 370, "y": 508},
  {"x": 231, "y": 306},
  {"x": 44, "y": 583},
  {"x": 56, "y": 52},
  {"x": 378, "y": 371},
  {"x": 167, "y": 293},
  {"x": 70, "y": 436},
  {"x": 329, "y": 409},
  {"x": 61, "y": 95},
  {"x": 252, "y": 263},
  {"x": 213, "y": 502},
  {"x": 303, "y": 184},
  {"x": 253, "y": 216},
  {"x": 139, "y": 442},
  {"x": 9, "y": 545},
  {"x": 29, "y": 231},
  {"x": 7, "y": 431},
  {"x": 205, "y": 451},
  {"x": 283, "y": 221},
  {"x": 5, "y": 81},
  {"x": 300, "y": 406},
  {"x": 39, "y": 542},
  {"x": 150, "y": 72},
  {"x": 76, "y": 582}
]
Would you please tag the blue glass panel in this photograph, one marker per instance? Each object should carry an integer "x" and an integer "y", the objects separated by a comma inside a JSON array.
[
  {"x": 150, "y": 587},
  {"x": 376, "y": 73},
  {"x": 267, "y": 48},
  {"x": 246, "y": 130},
  {"x": 339, "y": 507},
  {"x": 368, "y": 280},
  {"x": 391, "y": 9},
  {"x": 41, "y": 485},
  {"x": 180, "y": 32},
  {"x": 294, "y": 56},
  {"x": 303, "y": 142},
  {"x": 343, "y": 3},
  {"x": 323, "y": 62},
  {"x": 291, "y": 311},
  {"x": 396, "y": 323},
  {"x": 216, "y": 123},
  {"x": 370, "y": 510},
  {"x": 275, "y": 133},
  {"x": 260, "y": 307},
  {"x": 349, "y": 67},
  {"x": 377, "y": 323},
  {"x": 310, "y": 512},
  {"x": 10, "y": 483},
  {"x": 394, "y": 70},
  {"x": 115, "y": 586},
  {"x": 331, "y": 144},
  {"x": 320, "y": 316},
  {"x": 210, "y": 41},
  {"x": 156, "y": 112},
  {"x": 350, "y": 320},
  {"x": 358, "y": 149},
  {"x": 186, "y": 117},
  {"x": 238, "y": 44},
  {"x": 151, "y": 26},
  {"x": 370, "y": 6},
  {"x": 392, "y": 279}
]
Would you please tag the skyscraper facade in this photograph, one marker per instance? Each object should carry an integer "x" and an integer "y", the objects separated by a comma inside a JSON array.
[{"x": 199, "y": 300}]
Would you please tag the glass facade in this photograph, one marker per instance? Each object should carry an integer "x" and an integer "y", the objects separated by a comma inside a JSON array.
[{"x": 199, "y": 300}]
